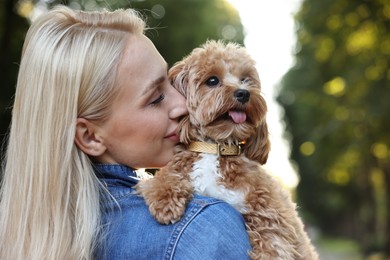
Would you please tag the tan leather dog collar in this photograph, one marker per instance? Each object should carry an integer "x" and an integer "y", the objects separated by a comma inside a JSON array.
[{"x": 213, "y": 148}]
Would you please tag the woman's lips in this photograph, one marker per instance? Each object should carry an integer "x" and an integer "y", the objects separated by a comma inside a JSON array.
[{"x": 173, "y": 136}]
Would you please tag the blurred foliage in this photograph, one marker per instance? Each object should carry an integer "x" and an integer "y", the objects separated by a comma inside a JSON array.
[
  {"x": 176, "y": 27},
  {"x": 337, "y": 110},
  {"x": 12, "y": 32},
  {"x": 338, "y": 248}
]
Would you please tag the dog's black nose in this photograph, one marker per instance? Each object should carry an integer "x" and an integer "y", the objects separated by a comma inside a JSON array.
[{"x": 242, "y": 95}]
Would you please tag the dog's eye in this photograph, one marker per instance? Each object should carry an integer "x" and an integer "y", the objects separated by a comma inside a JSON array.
[
  {"x": 244, "y": 80},
  {"x": 212, "y": 81}
]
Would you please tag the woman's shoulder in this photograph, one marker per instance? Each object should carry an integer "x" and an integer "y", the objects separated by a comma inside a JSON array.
[
  {"x": 209, "y": 229},
  {"x": 215, "y": 232},
  {"x": 207, "y": 210}
]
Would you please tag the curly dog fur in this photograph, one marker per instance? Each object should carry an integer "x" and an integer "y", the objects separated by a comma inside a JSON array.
[{"x": 225, "y": 105}]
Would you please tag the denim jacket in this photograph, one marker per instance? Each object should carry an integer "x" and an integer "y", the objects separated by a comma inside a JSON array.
[{"x": 209, "y": 229}]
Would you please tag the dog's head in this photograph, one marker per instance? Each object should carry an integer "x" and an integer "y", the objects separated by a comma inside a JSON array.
[{"x": 224, "y": 101}]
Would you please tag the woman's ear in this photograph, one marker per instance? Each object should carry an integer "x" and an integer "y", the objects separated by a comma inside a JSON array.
[{"x": 86, "y": 138}]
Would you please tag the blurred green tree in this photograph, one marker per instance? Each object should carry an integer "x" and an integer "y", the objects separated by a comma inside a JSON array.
[
  {"x": 181, "y": 26},
  {"x": 176, "y": 28},
  {"x": 12, "y": 31},
  {"x": 337, "y": 109}
]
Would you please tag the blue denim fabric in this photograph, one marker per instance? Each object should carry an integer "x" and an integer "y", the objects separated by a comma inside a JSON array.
[{"x": 209, "y": 229}]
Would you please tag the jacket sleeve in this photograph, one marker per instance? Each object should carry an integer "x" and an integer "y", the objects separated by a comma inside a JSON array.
[{"x": 217, "y": 232}]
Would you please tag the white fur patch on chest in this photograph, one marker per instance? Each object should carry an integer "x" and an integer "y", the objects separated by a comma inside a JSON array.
[{"x": 205, "y": 176}]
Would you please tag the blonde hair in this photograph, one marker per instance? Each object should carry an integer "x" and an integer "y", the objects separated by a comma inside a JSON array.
[{"x": 49, "y": 206}]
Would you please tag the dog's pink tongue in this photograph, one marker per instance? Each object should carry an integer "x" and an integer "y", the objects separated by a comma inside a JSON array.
[{"x": 238, "y": 117}]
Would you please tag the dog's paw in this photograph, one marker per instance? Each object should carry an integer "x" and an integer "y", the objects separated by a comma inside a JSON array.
[
  {"x": 166, "y": 202},
  {"x": 168, "y": 210}
]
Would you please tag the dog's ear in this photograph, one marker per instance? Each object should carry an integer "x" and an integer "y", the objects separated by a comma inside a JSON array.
[
  {"x": 178, "y": 77},
  {"x": 185, "y": 128},
  {"x": 258, "y": 147}
]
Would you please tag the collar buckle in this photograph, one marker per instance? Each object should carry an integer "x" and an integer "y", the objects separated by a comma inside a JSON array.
[{"x": 228, "y": 150}]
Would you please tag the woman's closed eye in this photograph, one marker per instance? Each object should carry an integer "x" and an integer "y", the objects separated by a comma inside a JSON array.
[{"x": 158, "y": 100}]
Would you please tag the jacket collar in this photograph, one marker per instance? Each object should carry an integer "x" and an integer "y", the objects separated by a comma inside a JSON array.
[{"x": 116, "y": 174}]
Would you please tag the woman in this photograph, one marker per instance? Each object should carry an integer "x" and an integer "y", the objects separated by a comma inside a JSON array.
[{"x": 92, "y": 103}]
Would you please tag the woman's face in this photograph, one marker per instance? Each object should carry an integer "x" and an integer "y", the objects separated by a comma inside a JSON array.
[{"x": 141, "y": 129}]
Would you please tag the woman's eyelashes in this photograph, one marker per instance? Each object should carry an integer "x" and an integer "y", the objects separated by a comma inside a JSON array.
[{"x": 158, "y": 100}]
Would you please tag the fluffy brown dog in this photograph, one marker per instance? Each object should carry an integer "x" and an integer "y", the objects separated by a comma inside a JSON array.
[{"x": 225, "y": 140}]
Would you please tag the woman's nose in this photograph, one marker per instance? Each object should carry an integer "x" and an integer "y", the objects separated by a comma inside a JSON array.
[{"x": 178, "y": 107}]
